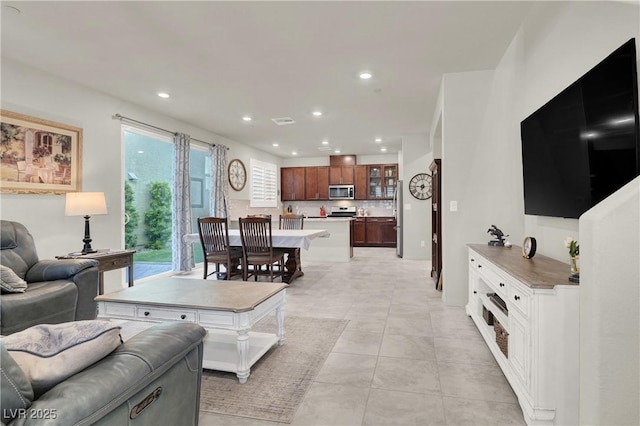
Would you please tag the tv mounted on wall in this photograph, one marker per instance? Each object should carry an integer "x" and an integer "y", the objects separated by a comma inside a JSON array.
[{"x": 583, "y": 144}]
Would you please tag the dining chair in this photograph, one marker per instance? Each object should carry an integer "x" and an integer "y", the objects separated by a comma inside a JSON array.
[
  {"x": 214, "y": 237},
  {"x": 257, "y": 249},
  {"x": 291, "y": 221}
]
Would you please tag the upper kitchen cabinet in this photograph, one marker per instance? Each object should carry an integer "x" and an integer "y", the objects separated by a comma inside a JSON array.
[
  {"x": 382, "y": 181},
  {"x": 317, "y": 183},
  {"x": 360, "y": 173},
  {"x": 341, "y": 175},
  {"x": 292, "y": 183}
]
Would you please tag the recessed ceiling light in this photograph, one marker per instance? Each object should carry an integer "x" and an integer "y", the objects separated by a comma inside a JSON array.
[
  {"x": 317, "y": 113},
  {"x": 325, "y": 142},
  {"x": 163, "y": 95},
  {"x": 383, "y": 149},
  {"x": 337, "y": 151},
  {"x": 246, "y": 118},
  {"x": 294, "y": 153},
  {"x": 365, "y": 75},
  {"x": 139, "y": 152},
  {"x": 378, "y": 140},
  {"x": 275, "y": 144}
]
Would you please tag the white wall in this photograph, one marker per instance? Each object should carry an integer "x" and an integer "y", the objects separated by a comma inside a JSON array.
[
  {"x": 29, "y": 91},
  {"x": 416, "y": 228}
]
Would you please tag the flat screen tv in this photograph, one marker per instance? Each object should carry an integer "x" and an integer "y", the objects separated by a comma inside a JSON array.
[{"x": 583, "y": 144}]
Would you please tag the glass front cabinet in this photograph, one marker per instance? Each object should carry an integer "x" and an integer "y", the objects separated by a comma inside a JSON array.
[{"x": 382, "y": 181}]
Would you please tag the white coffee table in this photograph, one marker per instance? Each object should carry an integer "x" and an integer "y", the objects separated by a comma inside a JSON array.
[{"x": 227, "y": 309}]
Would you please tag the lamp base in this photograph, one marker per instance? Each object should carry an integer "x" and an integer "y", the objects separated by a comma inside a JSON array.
[{"x": 87, "y": 249}]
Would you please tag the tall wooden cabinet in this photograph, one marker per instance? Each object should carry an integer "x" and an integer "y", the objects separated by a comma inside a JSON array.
[
  {"x": 436, "y": 221},
  {"x": 316, "y": 183},
  {"x": 292, "y": 184}
]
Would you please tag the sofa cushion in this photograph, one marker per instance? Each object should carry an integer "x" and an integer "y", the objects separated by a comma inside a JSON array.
[
  {"x": 10, "y": 282},
  {"x": 49, "y": 302},
  {"x": 16, "y": 392},
  {"x": 50, "y": 353}
]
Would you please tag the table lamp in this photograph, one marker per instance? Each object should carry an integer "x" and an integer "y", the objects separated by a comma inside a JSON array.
[{"x": 85, "y": 204}]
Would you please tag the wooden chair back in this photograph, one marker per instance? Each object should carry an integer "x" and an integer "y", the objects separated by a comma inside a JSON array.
[
  {"x": 214, "y": 235},
  {"x": 292, "y": 221},
  {"x": 255, "y": 234}
]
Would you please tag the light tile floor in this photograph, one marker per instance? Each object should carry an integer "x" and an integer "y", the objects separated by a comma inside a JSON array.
[{"x": 404, "y": 358}]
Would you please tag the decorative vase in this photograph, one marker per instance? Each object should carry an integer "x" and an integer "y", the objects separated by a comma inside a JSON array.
[{"x": 575, "y": 268}]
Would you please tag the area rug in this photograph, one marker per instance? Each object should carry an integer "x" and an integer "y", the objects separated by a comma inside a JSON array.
[{"x": 279, "y": 380}]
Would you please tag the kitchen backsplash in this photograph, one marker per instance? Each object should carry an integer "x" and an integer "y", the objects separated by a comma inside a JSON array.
[{"x": 240, "y": 208}]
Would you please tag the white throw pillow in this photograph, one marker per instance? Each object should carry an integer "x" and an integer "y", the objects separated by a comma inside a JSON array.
[
  {"x": 50, "y": 353},
  {"x": 10, "y": 282}
]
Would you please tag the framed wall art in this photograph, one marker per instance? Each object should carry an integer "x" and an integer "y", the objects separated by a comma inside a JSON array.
[{"x": 39, "y": 156}]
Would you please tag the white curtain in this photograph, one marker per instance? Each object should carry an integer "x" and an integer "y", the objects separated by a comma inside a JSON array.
[
  {"x": 219, "y": 203},
  {"x": 182, "y": 259}
]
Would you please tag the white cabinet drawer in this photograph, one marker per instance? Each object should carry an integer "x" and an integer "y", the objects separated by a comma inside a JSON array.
[
  {"x": 160, "y": 314},
  {"x": 519, "y": 299}
]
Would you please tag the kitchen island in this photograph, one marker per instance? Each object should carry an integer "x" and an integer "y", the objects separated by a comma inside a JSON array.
[{"x": 337, "y": 247}]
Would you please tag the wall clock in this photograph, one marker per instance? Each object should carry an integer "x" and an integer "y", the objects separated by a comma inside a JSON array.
[
  {"x": 529, "y": 246},
  {"x": 420, "y": 186},
  {"x": 237, "y": 174}
]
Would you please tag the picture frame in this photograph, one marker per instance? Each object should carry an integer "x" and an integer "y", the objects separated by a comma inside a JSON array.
[{"x": 39, "y": 156}]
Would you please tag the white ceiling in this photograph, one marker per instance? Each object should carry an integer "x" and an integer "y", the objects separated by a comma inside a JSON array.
[{"x": 222, "y": 60}]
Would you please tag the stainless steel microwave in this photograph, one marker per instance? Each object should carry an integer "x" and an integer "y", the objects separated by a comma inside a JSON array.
[{"x": 341, "y": 192}]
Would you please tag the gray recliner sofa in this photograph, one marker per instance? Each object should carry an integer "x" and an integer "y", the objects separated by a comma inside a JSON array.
[
  {"x": 57, "y": 290},
  {"x": 151, "y": 379}
]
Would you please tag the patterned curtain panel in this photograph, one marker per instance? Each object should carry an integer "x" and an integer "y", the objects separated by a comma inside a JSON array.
[
  {"x": 219, "y": 181},
  {"x": 182, "y": 259}
]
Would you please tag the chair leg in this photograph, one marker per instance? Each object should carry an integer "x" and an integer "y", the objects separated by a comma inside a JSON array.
[{"x": 205, "y": 269}]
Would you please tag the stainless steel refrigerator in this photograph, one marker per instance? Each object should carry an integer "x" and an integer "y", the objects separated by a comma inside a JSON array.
[{"x": 397, "y": 213}]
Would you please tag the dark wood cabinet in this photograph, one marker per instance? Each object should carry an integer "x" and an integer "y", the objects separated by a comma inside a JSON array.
[
  {"x": 382, "y": 180},
  {"x": 316, "y": 183},
  {"x": 359, "y": 232},
  {"x": 292, "y": 183},
  {"x": 375, "y": 232},
  {"x": 360, "y": 178},
  {"x": 341, "y": 175},
  {"x": 436, "y": 222}
]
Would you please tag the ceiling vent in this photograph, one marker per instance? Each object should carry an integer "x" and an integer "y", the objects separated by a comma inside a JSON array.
[
  {"x": 283, "y": 121},
  {"x": 324, "y": 148}
]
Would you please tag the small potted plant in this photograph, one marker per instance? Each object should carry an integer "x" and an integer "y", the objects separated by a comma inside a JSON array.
[
  {"x": 64, "y": 161},
  {"x": 574, "y": 252},
  {"x": 39, "y": 153}
]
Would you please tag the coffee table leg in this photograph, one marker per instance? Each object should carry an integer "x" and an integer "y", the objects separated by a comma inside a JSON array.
[
  {"x": 243, "y": 352},
  {"x": 280, "y": 319}
]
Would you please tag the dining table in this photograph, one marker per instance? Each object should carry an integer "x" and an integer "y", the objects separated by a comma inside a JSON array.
[{"x": 291, "y": 240}]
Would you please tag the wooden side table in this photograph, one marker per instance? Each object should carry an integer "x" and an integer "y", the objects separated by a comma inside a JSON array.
[{"x": 108, "y": 260}]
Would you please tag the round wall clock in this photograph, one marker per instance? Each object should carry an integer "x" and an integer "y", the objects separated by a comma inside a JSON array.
[
  {"x": 237, "y": 174},
  {"x": 420, "y": 186},
  {"x": 529, "y": 246}
]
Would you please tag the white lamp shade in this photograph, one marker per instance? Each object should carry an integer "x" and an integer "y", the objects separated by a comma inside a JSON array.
[{"x": 85, "y": 204}]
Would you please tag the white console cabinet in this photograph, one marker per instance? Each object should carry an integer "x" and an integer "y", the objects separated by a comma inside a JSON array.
[{"x": 541, "y": 319}]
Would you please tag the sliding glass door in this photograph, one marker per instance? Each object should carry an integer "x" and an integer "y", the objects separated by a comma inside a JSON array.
[{"x": 148, "y": 186}]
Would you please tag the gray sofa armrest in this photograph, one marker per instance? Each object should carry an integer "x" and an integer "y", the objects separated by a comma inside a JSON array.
[
  {"x": 63, "y": 269},
  {"x": 83, "y": 272},
  {"x": 168, "y": 355}
]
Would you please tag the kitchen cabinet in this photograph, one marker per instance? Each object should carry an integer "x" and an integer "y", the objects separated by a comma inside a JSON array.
[
  {"x": 316, "y": 183},
  {"x": 359, "y": 232},
  {"x": 292, "y": 183},
  {"x": 541, "y": 318},
  {"x": 382, "y": 180},
  {"x": 341, "y": 175},
  {"x": 375, "y": 232},
  {"x": 360, "y": 179}
]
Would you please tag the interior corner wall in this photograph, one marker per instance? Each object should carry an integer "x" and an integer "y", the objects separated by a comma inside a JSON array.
[
  {"x": 29, "y": 91},
  {"x": 416, "y": 226}
]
